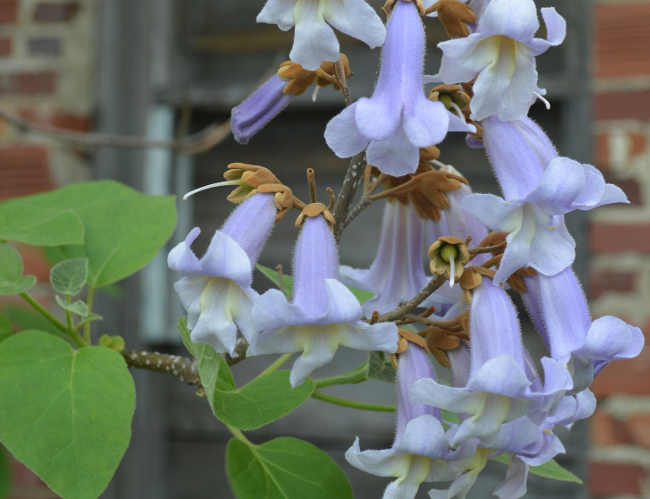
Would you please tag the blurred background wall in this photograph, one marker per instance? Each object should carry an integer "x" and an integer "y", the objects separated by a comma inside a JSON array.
[{"x": 106, "y": 66}]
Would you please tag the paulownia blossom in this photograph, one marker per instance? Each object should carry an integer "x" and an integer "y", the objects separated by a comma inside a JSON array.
[
  {"x": 397, "y": 272},
  {"x": 398, "y": 119},
  {"x": 217, "y": 293},
  {"x": 498, "y": 387},
  {"x": 420, "y": 452},
  {"x": 314, "y": 39},
  {"x": 323, "y": 314},
  {"x": 537, "y": 235},
  {"x": 501, "y": 55}
]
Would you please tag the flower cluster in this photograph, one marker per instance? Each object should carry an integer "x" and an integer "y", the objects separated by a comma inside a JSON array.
[{"x": 481, "y": 247}]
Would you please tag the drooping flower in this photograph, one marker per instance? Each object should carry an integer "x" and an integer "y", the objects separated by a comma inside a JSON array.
[
  {"x": 502, "y": 53},
  {"x": 398, "y": 119},
  {"x": 272, "y": 97},
  {"x": 537, "y": 235},
  {"x": 217, "y": 291},
  {"x": 314, "y": 39},
  {"x": 323, "y": 314},
  {"x": 558, "y": 307},
  {"x": 420, "y": 452},
  {"x": 498, "y": 387},
  {"x": 397, "y": 272}
]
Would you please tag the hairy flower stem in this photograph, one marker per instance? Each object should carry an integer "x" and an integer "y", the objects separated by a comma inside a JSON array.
[
  {"x": 353, "y": 404},
  {"x": 183, "y": 368}
]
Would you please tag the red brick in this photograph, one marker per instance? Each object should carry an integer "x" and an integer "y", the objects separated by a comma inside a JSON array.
[
  {"x": 630, "y": 186},
  {"x": 69, "y": 121},
  {"x": 638, "y": 144},
  {"x": 49, "y": 12},
  {"x": 638, "y": 428},
  {"x": 609, "y": 280},
  {"x": 601, "y": 152},
  {"x": 28, "y": 83},
  {"x": 23, "y": 170},
  {"x": 5, "y": 47},
  {"x": 629, "y": 376},
  {"x": 8, "y": 11},
  {"x": 622, "y": 105},
  {"x": 35, "y": 262},
  {"x": 607, "y": 430},
  {"x": 613, "y": 478},
  {"x": 616, "y": 238},
  {"x": 620, "y": 33}
]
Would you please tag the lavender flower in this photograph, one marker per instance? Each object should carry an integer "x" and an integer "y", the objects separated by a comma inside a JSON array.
[
  {"x": 398, "y": 119},
  {"x": 259, "y": 109},
  {"x": 498, "y": 388},
  {"x": 324, "y": 313},
  {"x": 420, "y": 452},
  {"x": 397, "y": 273},
  {"x": 537, "y": 236},
  {"x": 217, "y": 293},
  {"x": 314, "y": 39},
  {"x": 558, "y": 308},
  {"x": 502, "y": 53}
]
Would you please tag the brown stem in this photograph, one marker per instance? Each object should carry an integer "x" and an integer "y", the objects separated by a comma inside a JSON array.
[
  {"x": 183, "y": 368},
  {"x": 412, "y": 304}
]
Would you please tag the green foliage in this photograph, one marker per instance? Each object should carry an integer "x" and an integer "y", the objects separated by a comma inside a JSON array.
[
  {"x": 25, "y": 318},
  {"x": 381, "y": 368},
  {"x": 40, "y": 220},
  {"x": 113, "y": 342},
  {"x": 124, "y": 229},
  {"x": 284, "y": 468},
  {"x": 69, "y": 276},
  {"x": 551, "y": 470},
  {"x": 262, "y": 401},
  {"x": 12, "y": 281},
  {"x": 65, "y": 413},
  {"x": 5, "y": 475},
  {"x": 5, "y": 329},
  {"x": 287, "y": 283}
]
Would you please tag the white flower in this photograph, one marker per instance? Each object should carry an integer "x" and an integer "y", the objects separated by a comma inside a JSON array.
[
  {"x": 502, "y": 53},
  {"x": 314, "y": 40}
]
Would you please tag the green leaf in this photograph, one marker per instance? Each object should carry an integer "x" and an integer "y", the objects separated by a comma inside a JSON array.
[
  {"x": 69, "y": 276},
  {"x": 450, "y": 417},
  {"x": 259, "y": 402},
  {"x": 263, "y": 400},
  {"x": 40, "y": 220},
  {"x": 5, "y": 475},
  {"x": 287, "y": 284},
  {"x": 5, "y": 329},
  {"x": 124, "y": 229},
  {"x": 65, "y": 413},
  {"x": 284, "y": 468},
  {"x": 12, "y": 281},
  {"x": 551, "y": 470},
  {"x": 381, "y": 368},
  {"x": 78, "y": 307}
]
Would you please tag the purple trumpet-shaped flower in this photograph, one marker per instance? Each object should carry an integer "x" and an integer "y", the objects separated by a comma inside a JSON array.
[
  {"x": 558, "y": 308},
  {"x": 502, "y": 52},
  {"x": 498, "y": 388},
  {"x": 398, "y": 119},
  {"x": 397, "y": 272},
  {"x": 324, "y": 313},
  {"x": 259, "y": 109},
  {"x": 537, "y": 236},
  {"x": 420, "y": 452},
  {"x": 217, "y": 293}
]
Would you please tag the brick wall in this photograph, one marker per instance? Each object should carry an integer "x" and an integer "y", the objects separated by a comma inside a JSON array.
[
  {"x": 46, "y": 75},
  {"x": 620, "y": 242}
]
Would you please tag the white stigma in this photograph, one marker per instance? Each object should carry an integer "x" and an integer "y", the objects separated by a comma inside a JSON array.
[
  {"x": 211, "y": 186},
  {"x": 452, "y": 271},
  {"x": 544, "y": 100},
  {"x": 314, "y": 95}
]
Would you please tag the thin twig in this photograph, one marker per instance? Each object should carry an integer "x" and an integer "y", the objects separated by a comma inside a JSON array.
[
  {"x": 412, "y": 304},
  {"x": 356, "y": 210},
  {"x": 196, "y": 143},
  {"x": 486, "y": 249}
]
